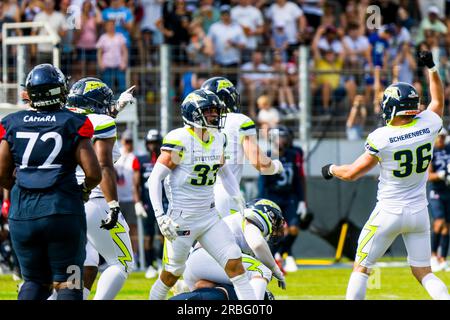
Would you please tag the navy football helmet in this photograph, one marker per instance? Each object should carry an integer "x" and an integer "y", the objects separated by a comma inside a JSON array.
[
  {"x": 46, "y": 86},
  {"x": 399, "y": 99},
  {"x": 226, "y": 92},
  {"x": 91, "y": 95},
  {"x": 197, "y": 104},
  {"x": 153, "y": 135},
  {"x": 266, "y": 215}
]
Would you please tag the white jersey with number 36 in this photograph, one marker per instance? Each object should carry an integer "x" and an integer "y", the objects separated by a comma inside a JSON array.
[{"x": 404, "y": 153}]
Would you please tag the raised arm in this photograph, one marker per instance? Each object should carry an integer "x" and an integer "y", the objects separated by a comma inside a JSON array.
[{"x": 436, "y": 88}]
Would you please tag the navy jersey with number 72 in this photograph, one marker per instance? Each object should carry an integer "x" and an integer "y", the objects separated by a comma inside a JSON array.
[{"x": 43, "y": 146}]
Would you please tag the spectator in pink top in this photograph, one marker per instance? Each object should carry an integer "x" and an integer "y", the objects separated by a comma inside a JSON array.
[
  {"x": 112, "y": 57},
  {"x": 86, "y": 39}
]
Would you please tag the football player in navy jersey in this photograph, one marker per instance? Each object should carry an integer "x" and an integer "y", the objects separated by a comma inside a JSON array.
[
  {"x": 39, "y": 152},
  {"x": 287, "y": 190},
  {"x": 143, "y": 166},
  {"x": 439, "y": 202}
]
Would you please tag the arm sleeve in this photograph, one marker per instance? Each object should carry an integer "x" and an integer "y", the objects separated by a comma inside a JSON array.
[
  {"x": 229, "y": 181},
  {"x": 259, "y": 245},
  {"x": 2, "y": 132},
  {"x": 86, "y": 130},
  {"x": 159, "y": 173},
  {"x": 247, "y": 128},
  {"x": 105, "y": 128},
  {"x": 172, "y": 142},
  {"x": 136, "y": 166},
  {"x": 371, "y": 147}
]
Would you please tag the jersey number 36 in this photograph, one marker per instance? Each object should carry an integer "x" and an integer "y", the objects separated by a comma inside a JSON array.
[{"x": 406, "y": 160}]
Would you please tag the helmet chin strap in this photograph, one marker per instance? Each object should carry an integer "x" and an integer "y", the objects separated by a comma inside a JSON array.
[{"x": 388, "y": 122}]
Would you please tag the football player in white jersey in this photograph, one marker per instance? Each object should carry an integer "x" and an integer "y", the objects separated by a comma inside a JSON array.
[
  {"x": 262, "y": 222},
  {"x": 403, "y": 149},
  {"x": 191, "y": 158},
  {"x": 107, "y": 230},
  {"x": 242, "y": 142}
]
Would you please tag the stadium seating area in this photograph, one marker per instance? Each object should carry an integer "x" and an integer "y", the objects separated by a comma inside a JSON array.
[{"x": 254, "y": 43}]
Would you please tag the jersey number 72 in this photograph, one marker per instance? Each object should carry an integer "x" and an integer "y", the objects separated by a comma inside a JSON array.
[{"x": 32, "y": 139}]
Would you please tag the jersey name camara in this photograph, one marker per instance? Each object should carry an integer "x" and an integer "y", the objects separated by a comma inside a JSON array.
[{"x": 39, "y": 119}]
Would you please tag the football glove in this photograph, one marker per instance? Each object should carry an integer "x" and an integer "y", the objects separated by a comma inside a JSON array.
[
  {"x": 426, "y": 58},
  {"x": 140, "y": 210},
  {"x": 326, "y": 173},
  {"x": 125, "y": 99},
  {"x": 85, "y": 192},
  {"x": 278, "y": 165},
  {"x": 280, "y": 277},
  {"x": 301, "y": 209},
  {"x": 113, "y": 216},
  {"x": 5, "y": 208},
  {"x": 168, "y": 227}
]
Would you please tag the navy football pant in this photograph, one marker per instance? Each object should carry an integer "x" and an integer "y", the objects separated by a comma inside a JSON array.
[{"x": 50, "y": 249}]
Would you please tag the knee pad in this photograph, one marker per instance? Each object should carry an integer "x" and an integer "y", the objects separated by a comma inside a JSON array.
[
  {"x": 34, "y": 291},
  {"x": 70, "y": 294}
]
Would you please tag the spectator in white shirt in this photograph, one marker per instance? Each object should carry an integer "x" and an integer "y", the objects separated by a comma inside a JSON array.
[
  {"x": 292, "y": 16},
  {"x": 228, "y": 40},
  {"x": 268, "y": 116},
  {"x": 57, "y": 22},
  {"x": 251, "y": 20},
  {"x": 258, "y": 82}
]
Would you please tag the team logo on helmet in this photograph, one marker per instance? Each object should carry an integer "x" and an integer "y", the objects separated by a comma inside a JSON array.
[
  {"x": 193, "y": 97},
  {"x": 224, "y": 84},
  {"x": 92, "y": 85},
  {"x": 266, "y": 202},
  {"x": 392, "y": 92}
]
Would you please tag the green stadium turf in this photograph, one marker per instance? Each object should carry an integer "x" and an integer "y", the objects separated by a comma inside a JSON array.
[{"x": 324, "y": 283}]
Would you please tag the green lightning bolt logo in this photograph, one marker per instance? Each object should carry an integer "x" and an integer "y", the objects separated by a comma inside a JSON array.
[{"x": 126, "y": 257}]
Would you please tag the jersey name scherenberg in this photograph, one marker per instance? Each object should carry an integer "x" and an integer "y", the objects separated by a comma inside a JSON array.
[
  {"x": 39, "y": 119},
  {"x": 409, "y": 135}
]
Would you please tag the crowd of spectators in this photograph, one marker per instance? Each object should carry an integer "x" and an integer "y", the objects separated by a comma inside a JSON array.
[{"x": 255, "y": 43}]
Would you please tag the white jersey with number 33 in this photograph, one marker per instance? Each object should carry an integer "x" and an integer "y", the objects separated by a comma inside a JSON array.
[
  {"x": 189, "y": 187},
  {"x": 404, "y": 153}
]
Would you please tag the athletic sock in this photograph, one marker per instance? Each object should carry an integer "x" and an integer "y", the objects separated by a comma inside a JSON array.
[
  {"x": 288, "y": 243},
  {"x": 435, "y": 287},
  {"x": 53, "y": 296},
  {"x": 435, "y": 241},
  {"x": 357, "y": 285},
  {"x": 110, "y": 283},
  {"x": 244, "y": 290},
  {"x": 259, "y": 286},
  {"x": 158, "y": 291},
  {"x": 86, "y": 293},
  {"x": 70, "y": 294},
  {"x": 444, "y": 245},
  {"x": 149, "y": 257}
]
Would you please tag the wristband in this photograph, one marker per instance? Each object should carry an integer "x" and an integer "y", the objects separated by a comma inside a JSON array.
[
  {"x": 113, "y": 204},
  {"x": 434, "y": 69},
  {"x": 331, "y": 169}
]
